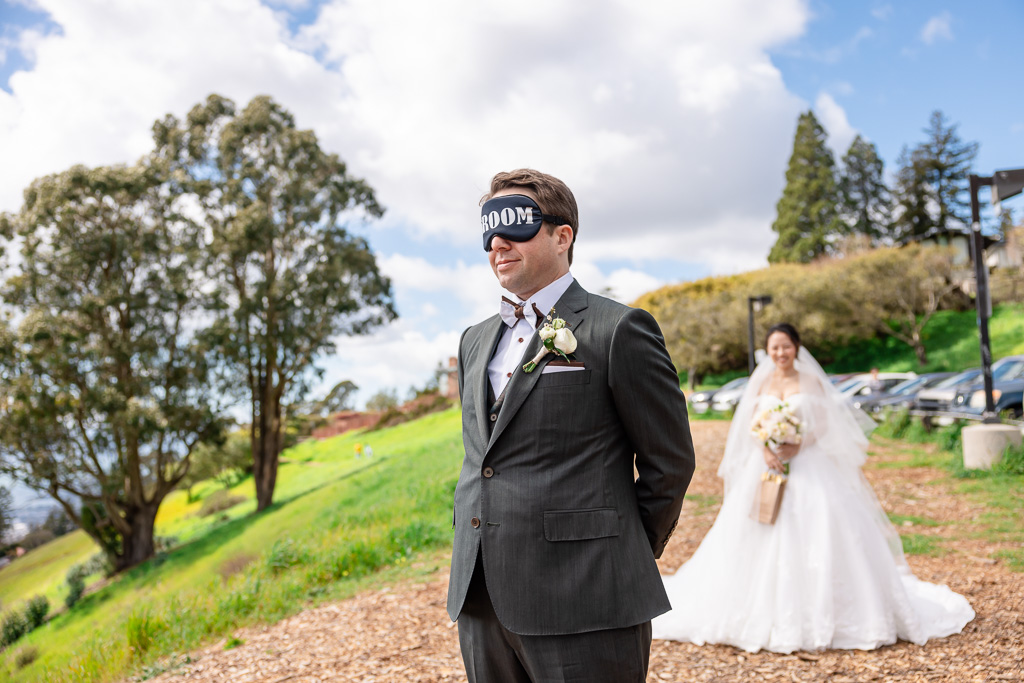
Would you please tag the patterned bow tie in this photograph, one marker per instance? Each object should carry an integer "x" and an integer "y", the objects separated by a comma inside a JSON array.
[{"x": 512, "y": 312}]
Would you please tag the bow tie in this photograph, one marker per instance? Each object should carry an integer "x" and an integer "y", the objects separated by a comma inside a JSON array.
[{"x": 512, "y": 312}]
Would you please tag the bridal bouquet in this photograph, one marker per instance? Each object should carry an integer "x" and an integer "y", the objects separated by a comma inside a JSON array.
[
  {"x": 773, "y": 427},
  {"x": 776, "y": 426}
]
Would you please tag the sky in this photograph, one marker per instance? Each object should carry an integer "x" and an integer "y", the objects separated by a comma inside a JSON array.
[{"x": 671, "y": 121}]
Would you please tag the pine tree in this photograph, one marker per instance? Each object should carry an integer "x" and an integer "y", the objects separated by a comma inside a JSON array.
[
  {"x": 948, "y": 161},
  {"x": 864, "y": 199},
  {"x": 807, "y": 217},
  {"x": 931, "y": 185},
  {"x": 912, "y": 196}
]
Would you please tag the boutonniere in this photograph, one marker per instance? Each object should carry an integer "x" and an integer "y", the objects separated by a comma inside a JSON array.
[{"x": 556, "y": 338}]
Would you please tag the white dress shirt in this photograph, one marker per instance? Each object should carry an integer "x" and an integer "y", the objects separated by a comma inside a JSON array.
[{"x": 508, "y": 358}]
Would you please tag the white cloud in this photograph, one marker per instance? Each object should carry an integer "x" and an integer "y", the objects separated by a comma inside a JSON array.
[
  {"x": 937, "y": 28},
  {"x": 833, "y": 118},
  {"x": 641, "y": 113},
  {"x": 398, "y": 356},
  {"x": 668, "y": 120},
  {"x": 472, "y": 287},
  {"x": 882, "y": 13}
]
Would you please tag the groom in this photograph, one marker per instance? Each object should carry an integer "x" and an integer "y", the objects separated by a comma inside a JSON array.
[{"x": 553, "y": 575}]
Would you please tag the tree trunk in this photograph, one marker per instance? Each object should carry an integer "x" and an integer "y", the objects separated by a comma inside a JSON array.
[
  {"x": 267, "y": 451},
  {"x": 138, "y": 546},
  {"x": 922, "y": 354}
]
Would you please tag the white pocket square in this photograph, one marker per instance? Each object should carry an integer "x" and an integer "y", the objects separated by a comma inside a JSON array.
[{"x": 561, "y": 368}]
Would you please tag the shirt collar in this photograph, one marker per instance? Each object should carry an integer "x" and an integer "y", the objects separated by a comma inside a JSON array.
[{"x": 548, "y": 296}]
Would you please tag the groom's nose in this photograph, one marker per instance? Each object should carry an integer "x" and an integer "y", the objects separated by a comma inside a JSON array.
[{"x": 499, "y": 243}]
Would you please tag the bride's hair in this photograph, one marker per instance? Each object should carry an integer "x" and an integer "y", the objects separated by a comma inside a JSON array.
[{"x": 786, "y": 329}]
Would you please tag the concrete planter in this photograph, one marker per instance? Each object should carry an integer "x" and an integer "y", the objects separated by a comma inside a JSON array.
[{"x": 984, "y": 444}]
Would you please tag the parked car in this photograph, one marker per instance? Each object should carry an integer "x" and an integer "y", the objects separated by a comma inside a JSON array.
[
  {"x": 701, "y": 400},
  {"x": 837, "y": 379},
  {"x": 939, "y": 398},
  {"x": 900, "y": 396},
  {"x": 862, "y": 385},
  {"x": 726, "y": 398},
  {"x": 1007, "y": 390}
]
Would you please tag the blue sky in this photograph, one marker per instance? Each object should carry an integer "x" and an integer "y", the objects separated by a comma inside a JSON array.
[{"x": 671, "y": 121}]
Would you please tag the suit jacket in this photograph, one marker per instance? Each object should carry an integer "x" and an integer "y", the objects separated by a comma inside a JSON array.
[{"x": 547, "y": 493}]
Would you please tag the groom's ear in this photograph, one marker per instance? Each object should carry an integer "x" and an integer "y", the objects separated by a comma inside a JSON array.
[{"x": 563, "y": 237}]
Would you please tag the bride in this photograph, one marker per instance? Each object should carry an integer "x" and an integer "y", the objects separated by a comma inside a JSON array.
[{"x": 830, "y": 572}]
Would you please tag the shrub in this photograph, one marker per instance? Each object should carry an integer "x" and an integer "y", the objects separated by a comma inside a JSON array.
[
  {"x": 76, "y": 584},
  {"x": 283, "y": 555},
  {"x": 142, "y": 629},
  {"x": 12, "y": 627},
  {"x": 26, "y": 656},
  {"x": 896, "y": 424},
  {"x": 36, "y": 538},
  {"x": 1012, "y": 463},
  {"x": 36, "y": 611},
  {"x": 218, "y": 501}
]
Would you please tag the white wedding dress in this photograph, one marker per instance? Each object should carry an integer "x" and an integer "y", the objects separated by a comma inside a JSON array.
[{"x": 829, "y": 573}]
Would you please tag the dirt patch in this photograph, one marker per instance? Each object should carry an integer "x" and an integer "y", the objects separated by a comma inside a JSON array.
[{"x": 403, "y": 634}]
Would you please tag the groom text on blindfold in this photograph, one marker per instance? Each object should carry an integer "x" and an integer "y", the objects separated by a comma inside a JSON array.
[{"x": 515, "y": 217}]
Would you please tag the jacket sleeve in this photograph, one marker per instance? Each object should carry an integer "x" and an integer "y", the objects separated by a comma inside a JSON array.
[{"x": 652, "y": 408}]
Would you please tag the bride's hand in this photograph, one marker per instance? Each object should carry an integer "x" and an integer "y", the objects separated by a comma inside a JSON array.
[
  {"x": 788, "y": 451},
  {"x": 772, "y": 460}
]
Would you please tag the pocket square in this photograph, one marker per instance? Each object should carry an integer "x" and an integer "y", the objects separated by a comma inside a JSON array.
[{"x": 563, "y": 366}]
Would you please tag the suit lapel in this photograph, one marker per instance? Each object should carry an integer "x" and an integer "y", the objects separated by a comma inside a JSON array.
[
  {"x": 491, "y": 337},
  {"x": 569, "y": 308}
]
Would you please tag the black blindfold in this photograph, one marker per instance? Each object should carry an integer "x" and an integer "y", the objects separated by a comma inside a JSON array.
[{"x": 515, "y": 217}]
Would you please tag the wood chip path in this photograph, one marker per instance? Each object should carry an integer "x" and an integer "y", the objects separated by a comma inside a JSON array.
[{"x": 402, "y": 633}]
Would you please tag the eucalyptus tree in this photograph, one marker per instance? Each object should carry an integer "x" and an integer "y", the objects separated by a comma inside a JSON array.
[
  {"x": 286, "y": 275},
  {"x": 105, "y": 389}
]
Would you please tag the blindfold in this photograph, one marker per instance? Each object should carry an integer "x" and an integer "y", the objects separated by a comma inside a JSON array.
[{"x": 515, "y": 217}]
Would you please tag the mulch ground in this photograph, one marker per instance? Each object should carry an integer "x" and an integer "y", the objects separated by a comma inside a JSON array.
[{"x": 402, "y": 633}]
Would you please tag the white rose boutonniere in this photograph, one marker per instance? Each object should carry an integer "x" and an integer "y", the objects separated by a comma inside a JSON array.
[{"x": 557, "y": 338}]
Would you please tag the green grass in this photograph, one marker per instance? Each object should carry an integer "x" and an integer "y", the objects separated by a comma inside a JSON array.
[
  {"x": 704, "y": 502},
  {"x": 899, "y": 520},
  {"x": 1000, "y": 490},
  {"x": 42, "y": 571},
  {"x": 917, "y": 544},
  {"x": 338, "y": 523},
  {"x": 951, "y": 340}
]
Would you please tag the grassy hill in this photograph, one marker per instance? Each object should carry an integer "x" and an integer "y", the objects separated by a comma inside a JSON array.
[
  {"x": 951, "y": 338},
  {"x": 337, "y": 520}
]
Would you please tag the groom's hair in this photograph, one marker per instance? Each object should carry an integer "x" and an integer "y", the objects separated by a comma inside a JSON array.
[
  {"x": 553, "y": 196},
  {"x": 786, "y": 329}
]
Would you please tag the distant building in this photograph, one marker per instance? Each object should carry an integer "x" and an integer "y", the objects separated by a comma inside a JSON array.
[
  {"x": 450, "y": 383},
  {"x": 345, "y": 421}
]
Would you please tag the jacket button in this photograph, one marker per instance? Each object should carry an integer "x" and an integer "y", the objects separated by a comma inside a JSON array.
[
  {"x": 488, "y": 472},
  {"x": 475, "y": 522},
  {"x": 494, "y": 417}
]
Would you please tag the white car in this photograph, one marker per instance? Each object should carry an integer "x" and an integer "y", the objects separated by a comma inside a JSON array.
[
  {"x": 860, "y": 386},
  {"x": 726, "y": 398}
]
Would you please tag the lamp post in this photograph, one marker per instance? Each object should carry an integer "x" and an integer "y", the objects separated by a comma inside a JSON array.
[
  {"x": 1004, "y": 184},
  {"x": 754, "y": 304}
]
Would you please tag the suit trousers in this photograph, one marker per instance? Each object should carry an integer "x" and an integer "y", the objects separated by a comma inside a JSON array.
[{"x": 493, "y": 654}]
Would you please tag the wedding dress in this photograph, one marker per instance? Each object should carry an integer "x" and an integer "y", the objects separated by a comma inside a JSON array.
[{"x": 830, "y": 572}]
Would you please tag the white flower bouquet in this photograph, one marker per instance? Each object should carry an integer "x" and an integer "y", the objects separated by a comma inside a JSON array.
[{"x": 776, "y": 426}]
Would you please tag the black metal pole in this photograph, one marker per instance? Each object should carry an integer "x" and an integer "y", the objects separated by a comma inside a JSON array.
[
  {"x": 981, "y": 297},
  {"x": 750, "y": 333}
]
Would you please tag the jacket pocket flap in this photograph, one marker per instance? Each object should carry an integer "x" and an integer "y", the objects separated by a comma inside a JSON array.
[{"x": 579, "y": 525}]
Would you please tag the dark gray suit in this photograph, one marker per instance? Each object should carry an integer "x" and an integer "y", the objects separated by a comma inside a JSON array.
[{"x": 547, "y": 493}]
